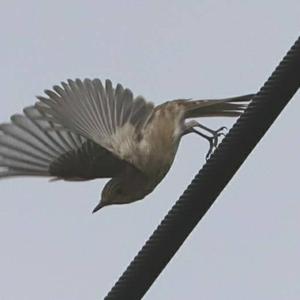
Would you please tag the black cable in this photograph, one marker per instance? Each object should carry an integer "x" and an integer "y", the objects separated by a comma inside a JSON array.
[{"x": 211, "y": 179}]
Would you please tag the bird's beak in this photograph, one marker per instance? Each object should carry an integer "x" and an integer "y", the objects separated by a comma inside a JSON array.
[{"x": 99, "y": 206}]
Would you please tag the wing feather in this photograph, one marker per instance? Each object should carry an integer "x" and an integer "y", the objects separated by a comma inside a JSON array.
[
  {"x": 96, "y": 111},
  {"x": 31, "y": 145}
]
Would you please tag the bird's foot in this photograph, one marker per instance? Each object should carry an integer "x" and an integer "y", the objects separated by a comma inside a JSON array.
[
  {"x": 216, "y": 134},
  {"x": 212, "y": 147},
  {"x": 213, "y": 139}
]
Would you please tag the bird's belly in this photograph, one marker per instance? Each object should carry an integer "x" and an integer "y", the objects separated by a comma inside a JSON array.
[
  {"x": 159, "y": 162},
  {"x": 157, "y": 149}
]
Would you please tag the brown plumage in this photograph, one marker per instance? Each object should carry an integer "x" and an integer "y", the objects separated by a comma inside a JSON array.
[{"x": 83, "y": 130}]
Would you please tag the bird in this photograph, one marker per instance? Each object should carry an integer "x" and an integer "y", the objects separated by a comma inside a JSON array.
[{"x": 89, "y": 129}]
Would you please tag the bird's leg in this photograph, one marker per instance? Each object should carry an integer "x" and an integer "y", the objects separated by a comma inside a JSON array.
[
  {"x": 216, "y": 133},
  {"x": 213, "y": 140},
  {"x": 210, "y": 139}
]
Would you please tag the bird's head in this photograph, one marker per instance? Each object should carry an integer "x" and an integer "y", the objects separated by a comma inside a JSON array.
[{"x": 116, "y": 191}]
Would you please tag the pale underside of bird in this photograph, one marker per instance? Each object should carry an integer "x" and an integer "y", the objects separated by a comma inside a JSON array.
[{"x": 83, "y": 130}]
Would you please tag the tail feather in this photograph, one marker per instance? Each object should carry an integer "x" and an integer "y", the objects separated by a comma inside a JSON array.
[{"x": 228, "y": 107}]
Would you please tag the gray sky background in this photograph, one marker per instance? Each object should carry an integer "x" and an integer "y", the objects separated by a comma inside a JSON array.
[{"x": 248, "y": 244}]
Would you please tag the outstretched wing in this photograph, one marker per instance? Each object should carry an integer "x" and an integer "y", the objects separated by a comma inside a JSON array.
[
  {"x": 31, "y": 146},
  {"x": 110, "y": 117}
]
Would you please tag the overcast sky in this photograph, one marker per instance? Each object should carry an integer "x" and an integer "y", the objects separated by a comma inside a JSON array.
[{"x": 248, "y": 244}]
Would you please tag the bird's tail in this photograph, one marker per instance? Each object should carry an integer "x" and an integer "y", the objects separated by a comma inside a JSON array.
[
  {"x": 229, "y": 107},
  {"x": 28, "y": 146}
]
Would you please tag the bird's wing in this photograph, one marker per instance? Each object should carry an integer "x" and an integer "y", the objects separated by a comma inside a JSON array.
[
  {"x": 228, "y": 107},
  {"x": 31, "y": 146},
  {"x": 110, "y": 117}
]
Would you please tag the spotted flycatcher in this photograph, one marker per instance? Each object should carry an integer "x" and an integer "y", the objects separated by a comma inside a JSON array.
[{"x": 84, "y": 130}]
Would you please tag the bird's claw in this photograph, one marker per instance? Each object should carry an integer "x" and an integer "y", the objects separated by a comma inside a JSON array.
[
  {"x": 217, "y": 133},
  {"x": 220, "y": 131},
  {"x": 214, "y": 140},
  {"x": 211, "y": 148}
]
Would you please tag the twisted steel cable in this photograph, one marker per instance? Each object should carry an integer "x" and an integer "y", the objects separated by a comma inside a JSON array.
[{"x": 211, "y": 179}]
